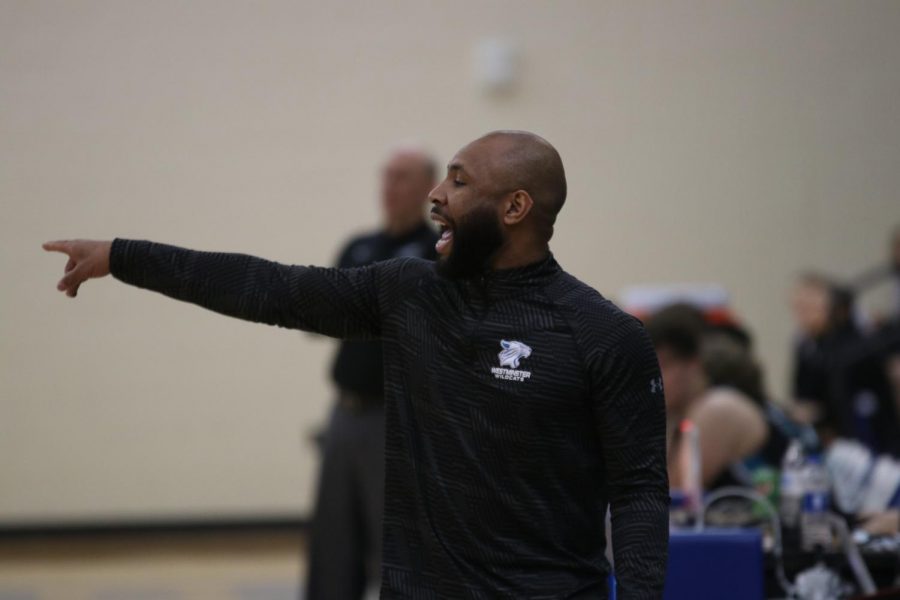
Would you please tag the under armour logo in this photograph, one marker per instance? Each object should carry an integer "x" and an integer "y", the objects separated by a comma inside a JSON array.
[
  {"x": 656, "y": 385},
  {"x": 512, "y": 353}
]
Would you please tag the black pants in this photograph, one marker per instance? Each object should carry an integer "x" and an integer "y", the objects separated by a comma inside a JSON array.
[{"x": 345, "y": 545}]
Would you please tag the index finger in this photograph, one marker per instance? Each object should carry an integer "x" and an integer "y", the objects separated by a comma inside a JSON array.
[{"x": 64, "y": 246}]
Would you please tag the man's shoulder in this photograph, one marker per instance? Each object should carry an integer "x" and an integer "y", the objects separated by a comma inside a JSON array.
[
  {"x": 405, "y": 270},
  {"x": 592, "y": 312},
  {"x": 609, "y": 337}
]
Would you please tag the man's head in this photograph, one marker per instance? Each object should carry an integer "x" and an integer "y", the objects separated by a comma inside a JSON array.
[
  {"x": 811, "y": 304},
  {"x": 498, "y": 203},
  {"x": 820, "y": 305},
  {"x": 406, "y": 178},
  {"x": 727, "y": 362},
  {"x": 677, "y": 332}
]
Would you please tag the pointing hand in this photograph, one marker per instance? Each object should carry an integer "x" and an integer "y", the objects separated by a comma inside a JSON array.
[{"x": 88, "y": 259}]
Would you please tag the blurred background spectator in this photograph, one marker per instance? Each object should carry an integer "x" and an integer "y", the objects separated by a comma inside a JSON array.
[
  {"x": 712, "y": 380},
  {"x": 843, "y": 371},
  {"x": 825, "y": 326},
  {"x": 345, "y": 537}
]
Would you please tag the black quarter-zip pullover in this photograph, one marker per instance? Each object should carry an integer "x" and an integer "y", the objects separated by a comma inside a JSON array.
[{"x": 518, "y": 408}]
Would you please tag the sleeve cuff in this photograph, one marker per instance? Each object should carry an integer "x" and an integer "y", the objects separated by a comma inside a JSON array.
[
  {"x": 118, "y": 256},
  {"x": 125, "y": 258}
]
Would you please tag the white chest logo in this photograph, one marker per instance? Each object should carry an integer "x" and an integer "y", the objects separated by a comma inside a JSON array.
[{"x": 513, "y": 352}]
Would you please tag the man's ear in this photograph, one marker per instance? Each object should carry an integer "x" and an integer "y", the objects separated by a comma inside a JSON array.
[{"x": 518, "y": 205}]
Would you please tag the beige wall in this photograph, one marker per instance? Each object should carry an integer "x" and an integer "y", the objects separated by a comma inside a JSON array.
[{"x": 730, "y": 142}]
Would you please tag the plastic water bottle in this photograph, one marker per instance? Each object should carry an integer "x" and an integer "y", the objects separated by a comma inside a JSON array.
[
  {"x": 693, "y": 478},
  {"x": 792, "y": 486},
  {"x": 815, "y": 529}
]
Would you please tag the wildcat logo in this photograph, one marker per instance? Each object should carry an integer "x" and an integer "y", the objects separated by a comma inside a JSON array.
[
  {"x": 510, "y": 356},
  {"x": 512, "y": 353}
]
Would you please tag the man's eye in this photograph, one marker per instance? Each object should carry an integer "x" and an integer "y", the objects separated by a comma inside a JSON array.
[{"x": 458, "y": 183}]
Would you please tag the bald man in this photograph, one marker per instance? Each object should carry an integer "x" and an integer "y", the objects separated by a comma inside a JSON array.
[
  {"x": 345, "y": 545},
  {"x": 520, "y": 403}
]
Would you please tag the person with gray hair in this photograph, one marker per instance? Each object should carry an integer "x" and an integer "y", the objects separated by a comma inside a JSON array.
[{"x": 345, "y": 535}]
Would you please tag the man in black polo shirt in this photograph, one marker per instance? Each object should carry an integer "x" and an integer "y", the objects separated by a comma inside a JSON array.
[
  {"x": 345, "y": 545},
  {"x": 520, "y": 403}
]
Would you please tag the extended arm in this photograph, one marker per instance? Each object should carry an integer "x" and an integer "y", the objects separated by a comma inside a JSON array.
[
  {"x": 631, "y": 419},
  {"x": 336, "y": 302}
]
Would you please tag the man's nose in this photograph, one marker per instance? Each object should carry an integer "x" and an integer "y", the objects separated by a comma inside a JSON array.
[{"x": 435, "y": 196}]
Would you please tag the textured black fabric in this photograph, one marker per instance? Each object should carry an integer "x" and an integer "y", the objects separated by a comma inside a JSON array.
[
  {"x": 497, "y": 476},
  {"x": 358, "y": 364}
]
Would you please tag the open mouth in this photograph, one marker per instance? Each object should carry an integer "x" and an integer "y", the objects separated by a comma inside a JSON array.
[{"x": 442, "y": 246}]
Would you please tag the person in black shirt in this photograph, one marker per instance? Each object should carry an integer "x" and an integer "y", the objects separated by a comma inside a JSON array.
[
  {"x": 345, "y": 542},
  {"x": 841, "y": 379},
  {"x": 520, "y": 403}
]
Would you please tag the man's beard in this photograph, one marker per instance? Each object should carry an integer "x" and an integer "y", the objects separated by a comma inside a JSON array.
[{"x": 476, "y": 239}]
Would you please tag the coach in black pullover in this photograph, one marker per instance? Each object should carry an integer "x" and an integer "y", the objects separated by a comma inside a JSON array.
[{"x": 520, "y": 402}]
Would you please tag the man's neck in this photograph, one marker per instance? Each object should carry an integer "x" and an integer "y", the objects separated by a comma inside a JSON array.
[{"x": 511, "y": 257}]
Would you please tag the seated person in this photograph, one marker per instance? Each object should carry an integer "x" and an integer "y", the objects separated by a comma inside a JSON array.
[
  {"x": 732, "y": 427},
  {"x": 728, "y": 362}
]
